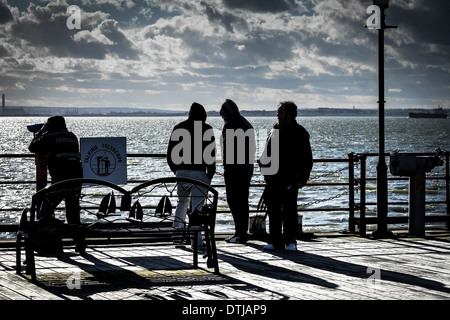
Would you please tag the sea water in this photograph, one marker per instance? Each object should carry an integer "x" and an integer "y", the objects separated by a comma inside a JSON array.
[{"x": 331, "y": 138}]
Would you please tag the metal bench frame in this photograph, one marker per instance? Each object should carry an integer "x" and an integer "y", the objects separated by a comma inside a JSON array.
[{"x": 135, "y": 228}]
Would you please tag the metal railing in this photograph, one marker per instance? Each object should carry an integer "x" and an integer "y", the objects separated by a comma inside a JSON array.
[
  {"x": 353, "y": 183},
  {"x": 362, "y": 221}
]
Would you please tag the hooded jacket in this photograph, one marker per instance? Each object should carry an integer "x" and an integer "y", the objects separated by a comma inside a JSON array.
[
  {"x": 237, "y": 133},
  {"x": 187, "y": 141},
  {"x": 61, "y": 150}
]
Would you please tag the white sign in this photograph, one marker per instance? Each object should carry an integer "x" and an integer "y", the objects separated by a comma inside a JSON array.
[{"x": 104, "y": 159}]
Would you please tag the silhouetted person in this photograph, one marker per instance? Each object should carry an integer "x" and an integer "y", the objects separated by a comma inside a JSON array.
[
  {"x": 187, "y": 158},
  {"x": 62, "y": 152},
  {"x": 295, "y": 165},
  {"x": 238, "y": 151}
]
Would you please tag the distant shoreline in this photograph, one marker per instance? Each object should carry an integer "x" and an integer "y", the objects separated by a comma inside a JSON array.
[{"x": 122, "y": 112}]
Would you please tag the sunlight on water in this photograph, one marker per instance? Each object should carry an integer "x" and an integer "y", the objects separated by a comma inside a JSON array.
[{"x": 330, "y": 138}]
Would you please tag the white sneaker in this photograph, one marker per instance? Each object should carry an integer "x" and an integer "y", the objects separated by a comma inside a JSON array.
[{"x": 291, "y": 247}]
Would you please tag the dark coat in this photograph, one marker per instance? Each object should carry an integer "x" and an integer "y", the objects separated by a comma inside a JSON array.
[
  {"x": 196, "y": 161},
  {"x": 244, "y": 149},
  {"x": 295, "y": 155},
  {"x": 61, "y": 150}
]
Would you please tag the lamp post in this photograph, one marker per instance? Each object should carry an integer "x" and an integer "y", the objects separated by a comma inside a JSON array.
[{"x": 382, "y": 185}]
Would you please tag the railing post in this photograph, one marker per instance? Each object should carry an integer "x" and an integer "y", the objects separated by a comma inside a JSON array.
[
  {"x": 362, "y": 200},
  {"x": 351, "y": 194},
  {"x": 41, "y": 176},
  {"x": 447, "y": 187}
]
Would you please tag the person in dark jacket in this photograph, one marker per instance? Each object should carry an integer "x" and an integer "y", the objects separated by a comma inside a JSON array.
[
  {"x": 238, "y": 151},
  {"x": 62, "y": 153},
  {"x": 191, "y": 154},
  {"x": 294, "y": 167}
]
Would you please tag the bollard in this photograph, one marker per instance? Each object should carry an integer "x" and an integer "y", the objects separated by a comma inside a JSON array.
[{"x": 417, "y": 203}]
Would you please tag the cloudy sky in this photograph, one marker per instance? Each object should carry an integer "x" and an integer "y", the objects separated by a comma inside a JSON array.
[{"x": 167, "y": 54}]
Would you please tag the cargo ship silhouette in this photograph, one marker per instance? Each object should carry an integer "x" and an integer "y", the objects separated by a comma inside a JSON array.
[{"x": 437, "y": 113}]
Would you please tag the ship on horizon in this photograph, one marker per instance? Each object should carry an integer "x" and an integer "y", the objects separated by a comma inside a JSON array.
[{"x": 437, "y": 113}]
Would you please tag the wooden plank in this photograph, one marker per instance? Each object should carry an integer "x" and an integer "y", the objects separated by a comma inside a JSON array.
[
  {"x": 324, "y": 268},
  {"x": 18, "y": 288}
]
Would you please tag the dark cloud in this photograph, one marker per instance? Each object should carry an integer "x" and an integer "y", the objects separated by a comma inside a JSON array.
[
  {"x": 419, "y": 50},
  {"x": 4, "y": 52},
  {"x": 262, "y": 5},
  {"x": 427, "y": 21},
  {"x": 228, "y": 20},
  {"x": 5, "y": 13},
  {"x": 120, "y": 46},
  {"x": 45, "y": 28}
]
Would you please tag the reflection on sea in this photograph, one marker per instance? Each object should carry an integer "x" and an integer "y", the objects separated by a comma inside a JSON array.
[{"x": 331, "y": 137}]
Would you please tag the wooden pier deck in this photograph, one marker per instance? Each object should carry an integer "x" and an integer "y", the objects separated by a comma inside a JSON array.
[{"x": 340, "y": 267}]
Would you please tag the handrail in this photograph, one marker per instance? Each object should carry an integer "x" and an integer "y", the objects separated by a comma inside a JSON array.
[
  {"x": 354, "y": 184},
  {"x": 218, "y": 185}
]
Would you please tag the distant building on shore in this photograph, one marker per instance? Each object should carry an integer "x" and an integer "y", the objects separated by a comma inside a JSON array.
[{"x": 41, "y": 111}]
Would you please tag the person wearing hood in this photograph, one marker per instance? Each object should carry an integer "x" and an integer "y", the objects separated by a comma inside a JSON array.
[
  {"x": 191, "y": 154},
  {"x": 61, "y": 149},
  {"x": 238, "y": 151},
  {"x": 62, "y": 154}
]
